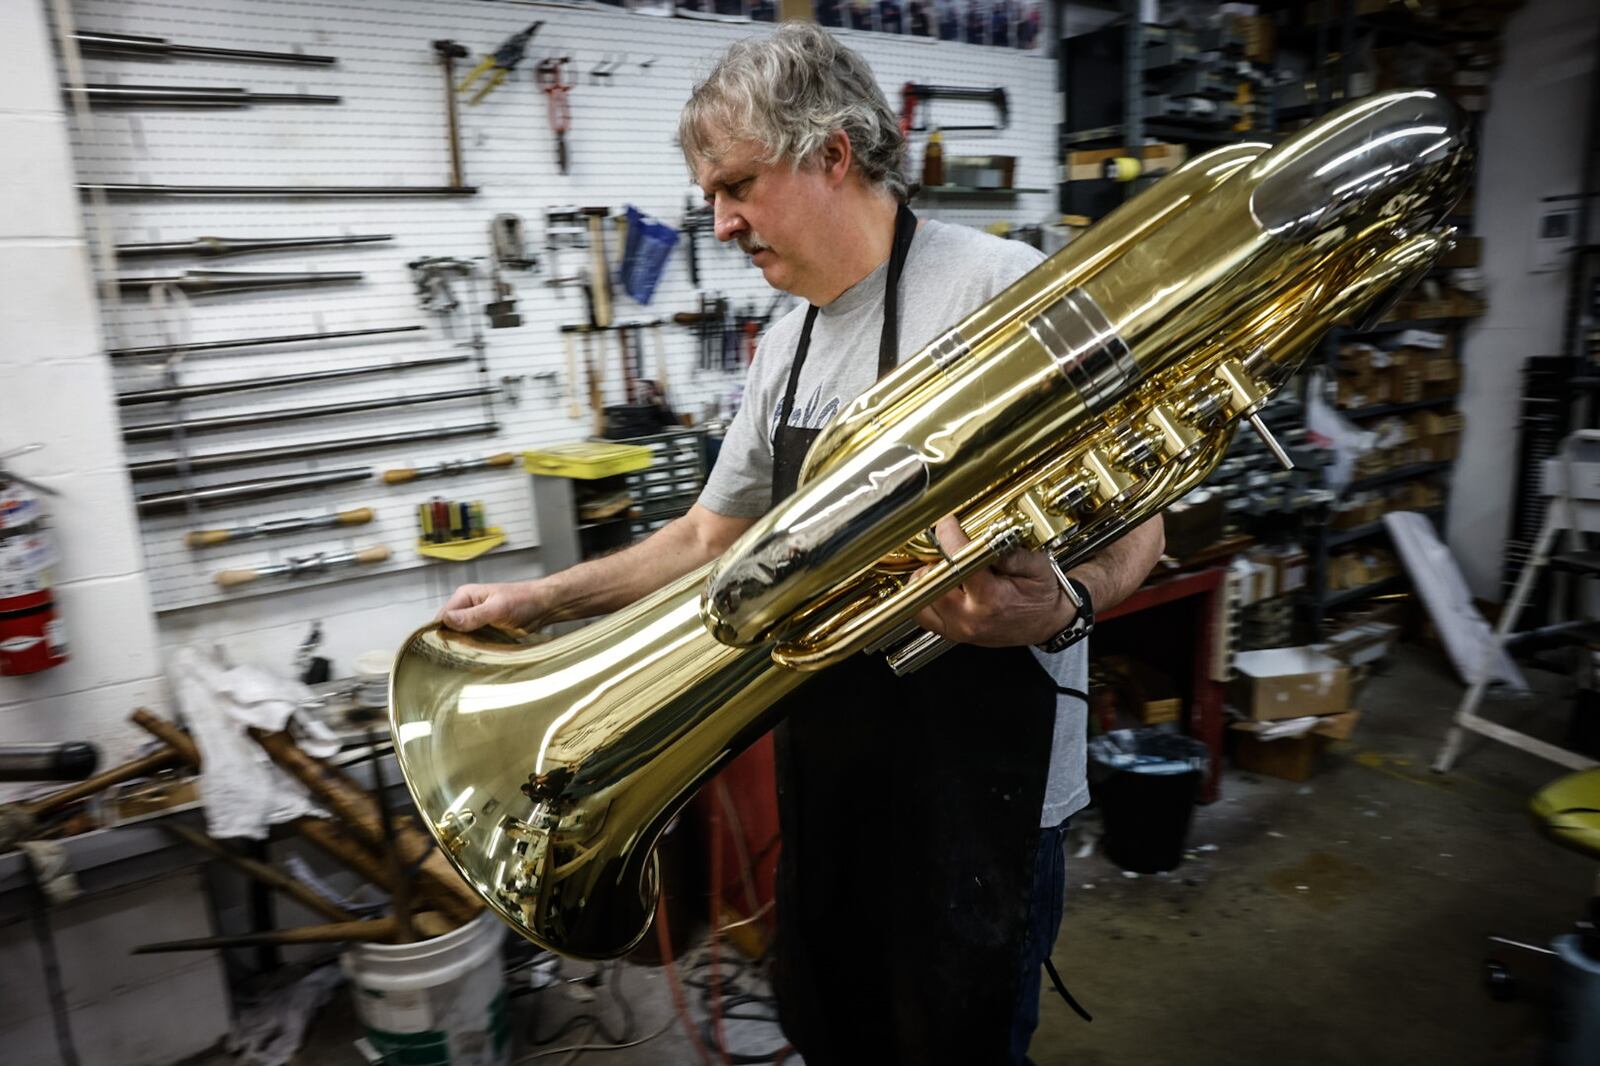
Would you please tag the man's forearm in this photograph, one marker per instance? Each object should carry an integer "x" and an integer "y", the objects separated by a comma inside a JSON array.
[
  {"x": 1122, "y": 566},
  {"x": 612, "y": 582}
]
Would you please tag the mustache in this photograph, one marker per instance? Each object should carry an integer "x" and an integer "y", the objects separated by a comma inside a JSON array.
[{"x": 752, "y": 244}]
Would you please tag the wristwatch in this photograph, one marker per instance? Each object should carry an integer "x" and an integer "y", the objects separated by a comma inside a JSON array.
[{"x": 1082, "y": 623}]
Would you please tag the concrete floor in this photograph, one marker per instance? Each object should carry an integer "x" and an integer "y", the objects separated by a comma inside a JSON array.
[{"x": 1339, "y": 921}]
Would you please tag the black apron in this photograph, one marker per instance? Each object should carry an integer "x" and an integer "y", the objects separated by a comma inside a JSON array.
[{"x": 909, "y": 810}]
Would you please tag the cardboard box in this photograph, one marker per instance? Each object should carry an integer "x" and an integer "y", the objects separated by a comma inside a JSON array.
[
  {"x": 1157, "y": 712},
  {"x": 1279, "y": 683},
  {"x": 1362, "y": 644},
  {"x": 1136, "y": 690},
  {"x": 1290, "y": 758},
  {"x": 1288, "y": 566}
]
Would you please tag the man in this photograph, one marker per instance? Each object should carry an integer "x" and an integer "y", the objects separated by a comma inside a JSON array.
[{"x": 923, "y": 818}]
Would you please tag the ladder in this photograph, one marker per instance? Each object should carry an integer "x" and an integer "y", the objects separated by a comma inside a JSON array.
[{"x": 1572, "y": 481}]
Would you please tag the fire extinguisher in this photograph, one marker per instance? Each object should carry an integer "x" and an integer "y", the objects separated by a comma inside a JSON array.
[{"x": 31, "y": 636}]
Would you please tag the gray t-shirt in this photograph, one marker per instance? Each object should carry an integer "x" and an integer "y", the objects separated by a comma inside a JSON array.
[{"x": 950, "y": 271}]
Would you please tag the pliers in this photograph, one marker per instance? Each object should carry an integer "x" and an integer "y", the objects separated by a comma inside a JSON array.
[{"x": 500, "y": 62}]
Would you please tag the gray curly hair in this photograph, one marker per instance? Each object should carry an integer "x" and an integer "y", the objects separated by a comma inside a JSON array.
[{"x": 789, "y": 92}]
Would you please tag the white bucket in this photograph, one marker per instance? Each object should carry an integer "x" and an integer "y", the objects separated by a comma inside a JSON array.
[{"x": 438, "y": 1002}]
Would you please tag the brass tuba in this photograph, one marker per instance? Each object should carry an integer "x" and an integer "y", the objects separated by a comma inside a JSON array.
[{"x": 1086, "y": 397}]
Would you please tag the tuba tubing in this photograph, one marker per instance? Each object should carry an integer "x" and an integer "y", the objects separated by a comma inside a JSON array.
[{"x": 1083, "y": 399}]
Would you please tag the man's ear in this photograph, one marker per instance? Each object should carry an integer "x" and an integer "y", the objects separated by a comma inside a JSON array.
[{"x": 836, "y": 157}]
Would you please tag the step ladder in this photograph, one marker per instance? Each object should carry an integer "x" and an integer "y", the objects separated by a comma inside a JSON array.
[{"x": 1572, "y": 482}]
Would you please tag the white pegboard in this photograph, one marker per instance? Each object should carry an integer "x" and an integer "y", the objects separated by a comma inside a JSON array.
[{"x": 390, "y": 129}]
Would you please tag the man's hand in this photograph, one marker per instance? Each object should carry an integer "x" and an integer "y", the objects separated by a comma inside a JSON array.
[
  {"x": 1016, "y": 601},
  {"x": 516, "y": 604}
]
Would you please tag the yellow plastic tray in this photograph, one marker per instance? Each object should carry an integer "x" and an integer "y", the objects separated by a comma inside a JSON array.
[
  {"x": 459, "y": 551},
  {"x": 587, "y": 460}
]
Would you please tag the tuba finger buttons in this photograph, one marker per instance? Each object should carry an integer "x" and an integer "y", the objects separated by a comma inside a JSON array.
[
  {"x": 1177, "y": 438},
  {"x": 1109, "y": 482}
]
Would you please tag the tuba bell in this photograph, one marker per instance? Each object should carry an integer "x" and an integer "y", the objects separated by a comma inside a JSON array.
[{"x": 1083, "y": 399}]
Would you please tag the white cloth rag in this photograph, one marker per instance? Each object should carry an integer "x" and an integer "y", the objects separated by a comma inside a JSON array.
[{"x": 244, "y": 792}]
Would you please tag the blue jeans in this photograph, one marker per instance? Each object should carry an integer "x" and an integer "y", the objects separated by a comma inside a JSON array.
[{"x": 1044, "y": 924}]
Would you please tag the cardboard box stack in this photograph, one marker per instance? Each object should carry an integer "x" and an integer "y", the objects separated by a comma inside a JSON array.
[
  {"x": 1415, "y": 367},
  {"x": 1290, "y": 703},
  {"x": 1356, "y": 569}
]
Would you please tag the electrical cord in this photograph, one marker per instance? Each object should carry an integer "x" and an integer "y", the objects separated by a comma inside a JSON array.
[
  {"x": 679, "y": 1000},
  {"x": 598, "y": 1047},
  {"x": 596, "y": 1023}
]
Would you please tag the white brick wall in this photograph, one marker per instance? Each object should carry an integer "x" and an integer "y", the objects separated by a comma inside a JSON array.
[{"x": 55, "y": 388}]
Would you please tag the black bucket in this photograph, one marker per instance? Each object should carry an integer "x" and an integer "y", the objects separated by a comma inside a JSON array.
[{"x": 1145, "y": 783}]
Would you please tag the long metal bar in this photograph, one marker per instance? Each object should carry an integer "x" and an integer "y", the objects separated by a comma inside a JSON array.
[
  {"x": 199, "y": 464},
  {"x": 213, "y": 247},
  {"x": 127, "y": 191},
  {"x": 294, "y": 414},
  {"x": 254, "y": 342},
  {"x": 127, "y": 44},
  {"x": 253, "y": 489},
  {"x": 316, "y": 563},
  {"x": 184, "y": 392},
  {"x": 205, "y": 538},
  {"x": 103, "y": 95},
  {"x": 206, "y": 282}
]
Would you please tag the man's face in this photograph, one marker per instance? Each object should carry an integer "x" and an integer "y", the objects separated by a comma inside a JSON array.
[{"x": 778, "y": 214}]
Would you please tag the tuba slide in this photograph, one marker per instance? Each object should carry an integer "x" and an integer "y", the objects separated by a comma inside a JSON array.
[{"x": 1085, "y": 398}]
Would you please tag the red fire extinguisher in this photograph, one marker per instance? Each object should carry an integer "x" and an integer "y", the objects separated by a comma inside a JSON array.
[{"x": 31, "y": 636}]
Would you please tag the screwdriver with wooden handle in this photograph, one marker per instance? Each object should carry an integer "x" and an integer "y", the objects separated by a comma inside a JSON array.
[
  {"x": 402, "y": 474},
  {"x": 205, "y": 538},
  {"x": 309, "y": 564}
]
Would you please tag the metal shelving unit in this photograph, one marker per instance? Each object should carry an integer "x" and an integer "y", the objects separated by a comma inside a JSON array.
[
  {"x": 1340, "y": 537},
  {"x": 1345, "y": 597},
  {"x": 1381, "y": 410},
  {"x": 671, "y": 484}
]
